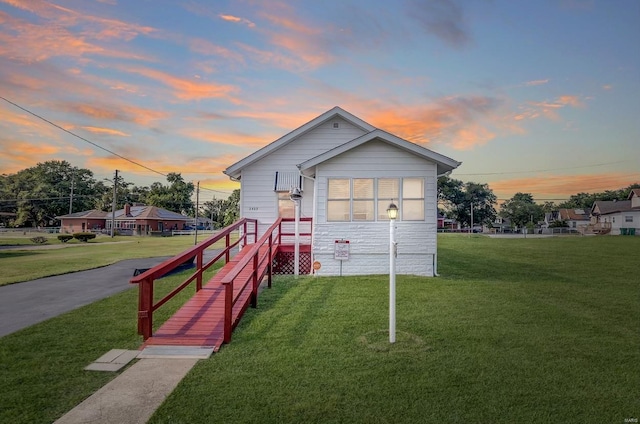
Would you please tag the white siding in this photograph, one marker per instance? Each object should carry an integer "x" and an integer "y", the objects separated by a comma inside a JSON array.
[
  {"x": 369, "y": 242},
  {"x": 258, "y": 199}
]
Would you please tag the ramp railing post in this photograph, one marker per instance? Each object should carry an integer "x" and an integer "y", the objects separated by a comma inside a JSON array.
[
  {"x": 270, "y": 259},
  {"x": 228, "y": 312},
  {"x": 227, "y": 254},
  {"x": 145, "y": 308},
  {"x": 199, "y": 264},
  {"x": 254, "y": 282}
]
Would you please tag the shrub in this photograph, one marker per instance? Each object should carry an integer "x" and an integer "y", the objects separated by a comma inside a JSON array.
[
  {"x": 65, "y": 237},
  {"x": 38, "y": 240},
  {"x": 84, "y": 236}
]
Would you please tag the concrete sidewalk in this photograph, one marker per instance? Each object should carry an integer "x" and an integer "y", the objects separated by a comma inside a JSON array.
[{"x": 133, "y": 396}]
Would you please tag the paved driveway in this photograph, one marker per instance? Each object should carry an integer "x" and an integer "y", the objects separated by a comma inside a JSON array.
[{"x": 28, "y": 303}]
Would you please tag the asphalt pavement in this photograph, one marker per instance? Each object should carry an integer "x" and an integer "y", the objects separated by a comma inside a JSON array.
[{"x": 31, "y": 302}]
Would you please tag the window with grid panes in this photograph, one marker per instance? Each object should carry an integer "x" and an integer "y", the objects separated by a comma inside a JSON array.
[
  {"x": 412, "y": 208},
  {"x": 388, "y": 191},
  {"x": 363, "y": 200},
  {"x": 339, "y": 199}
]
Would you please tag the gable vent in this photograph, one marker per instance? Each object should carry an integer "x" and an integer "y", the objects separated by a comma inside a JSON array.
[{"x": 336, "y": 125}]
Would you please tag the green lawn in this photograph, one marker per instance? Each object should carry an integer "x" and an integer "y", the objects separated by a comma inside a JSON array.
[
  {"x": 25, "y": 265},
  {"x": 515, "y": 330}
]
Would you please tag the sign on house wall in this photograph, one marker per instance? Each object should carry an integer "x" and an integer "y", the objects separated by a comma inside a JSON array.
[{"x": 341, "y": 250}]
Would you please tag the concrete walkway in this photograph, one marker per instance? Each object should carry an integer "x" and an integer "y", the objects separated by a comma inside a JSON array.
[{"x": 133, "y": 396}]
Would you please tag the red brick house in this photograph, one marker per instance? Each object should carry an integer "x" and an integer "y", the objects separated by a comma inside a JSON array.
[{"x": 134, "y": 220}]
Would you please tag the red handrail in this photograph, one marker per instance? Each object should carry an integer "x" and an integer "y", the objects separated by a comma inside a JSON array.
[
  {"x": 146, "y": 307},
  {"x": 257, "y": 260}
]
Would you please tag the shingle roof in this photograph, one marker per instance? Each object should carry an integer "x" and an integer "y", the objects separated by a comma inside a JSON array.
[
  {"x": 150, "y": 212},
  {"x": 604, "y": 207},
  {"x": 573, "y": 214},
  {"x": 90, "y": 214}
]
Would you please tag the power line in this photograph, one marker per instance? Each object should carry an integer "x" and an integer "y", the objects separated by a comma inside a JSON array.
[
  {"x": 103, "y": 148},
  {"x": 81, "y": 138}
]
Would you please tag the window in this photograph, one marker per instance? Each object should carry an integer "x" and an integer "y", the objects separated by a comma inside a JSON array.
[
  {"x": 412, "y": 199},
  {"x": 367, "y": 199},
  {"x": 339, "y": 199},
  {"x": 388, "y": 191},
  {"x": 363, "y": 203},
  {"x": 286, "y": 208},
  {"x": 628, "y": 218}
]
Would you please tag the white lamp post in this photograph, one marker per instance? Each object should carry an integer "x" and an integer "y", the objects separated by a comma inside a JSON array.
[
  {"x": 296, "y": 196},
  {"x": 392, "y": 212}
]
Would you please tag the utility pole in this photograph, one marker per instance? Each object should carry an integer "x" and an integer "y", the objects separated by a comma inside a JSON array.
[
  {"x": 471, "y": 230},
  {"x": 113, "y": 207},
  {"x": 197, "y": 207},
  {"x": 71, "y": 197}
]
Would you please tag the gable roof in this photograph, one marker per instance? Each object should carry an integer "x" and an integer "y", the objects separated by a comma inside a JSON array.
[
  {"x": 605, "y": 207},
  {"x": 635, "y": 192},
  {"x": 235, "y": 170},
  {"x": 573, "y": 214},
  {"x": 444, "y": 163}
]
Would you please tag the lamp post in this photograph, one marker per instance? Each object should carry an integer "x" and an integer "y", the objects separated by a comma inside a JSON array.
[
  {"x": 392, "y": 212},
  {"x": 295, "y": 197}
]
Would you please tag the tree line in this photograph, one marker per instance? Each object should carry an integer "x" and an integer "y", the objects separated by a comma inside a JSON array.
[
  {"x": 455, "y": 199},
  {"x": 36, "y": 196}
]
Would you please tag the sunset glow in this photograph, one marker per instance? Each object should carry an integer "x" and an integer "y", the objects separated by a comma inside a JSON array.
[{"x": 544, "y": 104}]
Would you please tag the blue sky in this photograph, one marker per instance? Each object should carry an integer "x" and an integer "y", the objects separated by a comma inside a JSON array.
[{"x": 540, "y": 97}]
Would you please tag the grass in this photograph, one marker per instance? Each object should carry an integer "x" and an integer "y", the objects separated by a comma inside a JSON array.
[
  {"x": 18, "y": 265},
  {"x": 515, "y": 330},
  {"x": 42, "y": 366},
  {"x": 538, "y": 330}
]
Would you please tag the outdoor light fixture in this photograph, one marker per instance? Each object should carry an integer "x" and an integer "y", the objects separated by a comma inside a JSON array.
[
  {"x": 392, "y": 212},
  {"x": 296, "y": 196}
]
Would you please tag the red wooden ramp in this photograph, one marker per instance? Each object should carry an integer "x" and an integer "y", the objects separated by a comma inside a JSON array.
[{"x": 201, "y": 320}]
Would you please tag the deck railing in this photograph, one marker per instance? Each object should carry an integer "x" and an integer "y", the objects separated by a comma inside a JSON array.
[{"x": 146, "y": 305}]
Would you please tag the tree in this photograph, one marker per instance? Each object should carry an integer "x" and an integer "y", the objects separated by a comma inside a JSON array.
[
  {"x": 40, "y": 193},
  {"x": 586, "y": 200},
  {"x": 214, "y": 209},
  {"x": 232, "y": 208},
  {"x": 522, "y": 209},
  {"x": 175, "y": 197},
  {"x": 457, "y": 197}
]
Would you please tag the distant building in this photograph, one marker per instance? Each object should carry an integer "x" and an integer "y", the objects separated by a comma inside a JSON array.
[
  {"x": 134, "y": 220},
  {"x": 621, "y": 216}
]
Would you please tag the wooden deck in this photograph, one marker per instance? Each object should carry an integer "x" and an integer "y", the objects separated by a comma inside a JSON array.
[{"x": 200, "y": 321}]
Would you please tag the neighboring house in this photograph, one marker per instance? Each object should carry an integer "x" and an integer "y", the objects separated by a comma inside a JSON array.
[
  {"x": 619, "y": 215},
  {"x": 349, "y": 172},
  {"x": 136, "y": 220},
  {"x": 501, "y": 225},
  {"x": 574, "y": 218}
]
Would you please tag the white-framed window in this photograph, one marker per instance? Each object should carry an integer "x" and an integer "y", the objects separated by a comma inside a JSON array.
[
  {"x": 628, "y": 218},
  {"x": 286, "y": 207},
  {"x": 412, "y": 208},
  {"x": 388, "y": 191},
  {"x": 363, "y": 200},
  {"x": 339, "y": 199},
  {"x": 367, "y": 199}
]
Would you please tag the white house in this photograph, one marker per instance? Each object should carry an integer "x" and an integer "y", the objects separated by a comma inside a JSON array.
[
  {"x": 619, "y": 215},
  {"x": 349, "y": 172}
]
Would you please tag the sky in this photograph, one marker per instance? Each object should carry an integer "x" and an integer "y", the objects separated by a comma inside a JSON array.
[{"x": 540, "y": 97}]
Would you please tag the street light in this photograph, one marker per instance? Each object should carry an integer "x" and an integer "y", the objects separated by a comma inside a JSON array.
[
  {"x": 295, "y": 195},
  {"x": 392, "y": 212}
]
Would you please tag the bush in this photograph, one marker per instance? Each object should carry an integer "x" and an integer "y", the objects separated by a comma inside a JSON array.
[
  {"x": 84, "y": 236},
  {"x": 65, "y": 237},
  {"x": 38, "y": 240}
]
